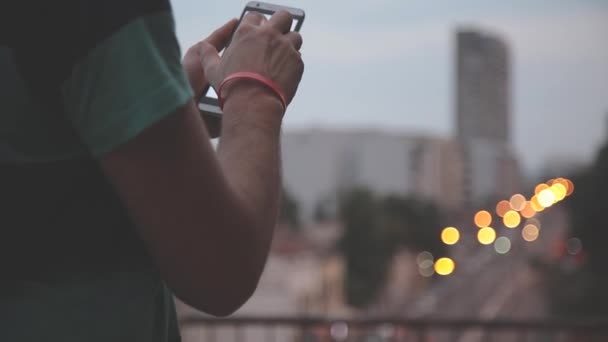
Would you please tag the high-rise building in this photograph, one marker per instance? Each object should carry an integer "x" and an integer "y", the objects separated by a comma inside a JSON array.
[
  {"x": 482, "y": 87},
  {"x": 483, "y": 98}
]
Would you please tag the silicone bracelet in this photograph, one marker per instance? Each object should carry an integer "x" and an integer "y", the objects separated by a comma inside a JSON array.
[{"x": 252, "y": 76}]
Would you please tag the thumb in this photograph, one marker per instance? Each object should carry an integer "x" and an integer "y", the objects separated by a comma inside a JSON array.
[
  {"x": 210, "y": 60},
  {"x": 220, "y": 37}
]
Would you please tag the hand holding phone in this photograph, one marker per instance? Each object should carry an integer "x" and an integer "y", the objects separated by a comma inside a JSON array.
[{"x": 264, "y": 42}]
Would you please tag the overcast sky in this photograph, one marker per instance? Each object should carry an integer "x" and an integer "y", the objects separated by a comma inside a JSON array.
[{"x": 389, "y": 65}]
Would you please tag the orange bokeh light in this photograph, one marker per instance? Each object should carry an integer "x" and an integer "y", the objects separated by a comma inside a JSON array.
[
  {"x": 482, "y": 219},
  {"x": 569, "y": 188},
  {"x": 528, "y": 211},
  {"x": 502, "y": 207}
]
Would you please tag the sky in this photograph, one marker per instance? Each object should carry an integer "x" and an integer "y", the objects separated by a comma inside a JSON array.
[{"x": 389, "y": 65}]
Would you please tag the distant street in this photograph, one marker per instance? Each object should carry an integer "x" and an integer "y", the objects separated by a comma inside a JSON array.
[{"x": 487, "y": 285}]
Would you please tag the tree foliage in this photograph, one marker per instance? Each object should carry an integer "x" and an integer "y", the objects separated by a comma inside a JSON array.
[
  {"x": 289, "y": 211},
  {"x": 588, "y": 208},
  {"x": 375, "y": 227}
]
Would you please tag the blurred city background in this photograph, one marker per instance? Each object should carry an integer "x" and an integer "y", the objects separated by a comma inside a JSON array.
[{"x": 445, "y": 175}]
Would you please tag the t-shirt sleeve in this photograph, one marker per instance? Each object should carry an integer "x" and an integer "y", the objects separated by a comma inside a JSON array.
[{"x": 126, "y": 82}]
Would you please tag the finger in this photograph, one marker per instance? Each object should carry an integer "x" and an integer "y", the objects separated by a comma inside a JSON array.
[
  {"x": 254, "y": 18},
  {"x": 210, "y": 59},
  {"x": 281, "y": 20},
  {"x": 220, "y": 37},
  {"x": 295, "y": 39}
]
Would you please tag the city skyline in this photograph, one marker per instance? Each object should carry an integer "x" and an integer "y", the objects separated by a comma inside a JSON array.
[{"x": 399, "y": 58}]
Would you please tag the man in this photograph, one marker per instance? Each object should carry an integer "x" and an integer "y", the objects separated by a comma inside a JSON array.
[{"x": 112, "y": 198}]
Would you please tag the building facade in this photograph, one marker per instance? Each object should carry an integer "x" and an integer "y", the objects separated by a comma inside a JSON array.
[
  {"x": 317, "y": 164},
  {"x": 483, "y": 116}
]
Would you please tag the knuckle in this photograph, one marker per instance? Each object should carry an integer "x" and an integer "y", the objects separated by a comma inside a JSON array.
[
  {"x": 204, "y": 48},
  {"x": 244, "y": 28},
  {"x": 257, "y": 16},
  {"x": 271, "y": 34}
]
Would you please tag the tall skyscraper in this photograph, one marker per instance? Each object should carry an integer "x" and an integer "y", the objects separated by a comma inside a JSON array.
[
  {"x": 483, "y": 87},
  {"x": 483, "y": 98}
]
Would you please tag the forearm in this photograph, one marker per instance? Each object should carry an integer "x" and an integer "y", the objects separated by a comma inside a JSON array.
[{"x": 249, "y": 155}]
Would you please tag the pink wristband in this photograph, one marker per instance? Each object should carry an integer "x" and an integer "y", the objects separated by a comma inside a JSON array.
[{"x": 253, "y": 76}]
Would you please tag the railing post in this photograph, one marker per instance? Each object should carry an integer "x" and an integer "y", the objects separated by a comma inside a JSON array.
[{"x": 238, "y": 334}]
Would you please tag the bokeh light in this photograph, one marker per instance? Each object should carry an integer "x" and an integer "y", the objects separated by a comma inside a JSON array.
[
  {"x": 528, "y": 211},
  {"x": 423, "y": 256},
  {"x": 486, "y": 235},
  {"x": 425, "y": 268},
  {"x": 502, "y": 245},
  {"x": 546, "y": 198},
  {"x": 563, "y": 182},
  {"x": 530, "y": 232},
  {"x": 534, "y": 222},
  {"x": 339, "y": 331},
  {"x": 559, "y": 191},
  {"x": 536, "y": 204},
  {"x": 482, "y": 219},
  {"x": 570, "y": 187},
  {"x": 511, "y": 219},
  {"x": 450, "y": 235},
  {"x": 445, "y": 266},
  {"x": 574, "y": 246},
  {"x": 502, "y": 207},
  {"x": 540, "y": 187},
  {"x": 517, "y": 202}
]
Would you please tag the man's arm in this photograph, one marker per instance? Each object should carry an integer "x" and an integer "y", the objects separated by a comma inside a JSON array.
[{"x": 208, "y": 220}]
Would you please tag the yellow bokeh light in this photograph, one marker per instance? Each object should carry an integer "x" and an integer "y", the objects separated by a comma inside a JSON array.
[
  {"x": 450, "y": 235},
  {"x": 517, "y": 202},
  {"x": 536, "y": 204},
  {"x": 528, "y": 211},
  {"x": 511, "y": 219},
  {"x": 502, "y": 207},
  {"x": 486, "y": 235},
  {"x": 559, "y": 191},
  {"x": 570, "y": 187},
  {"x": 482, "y": 219},
  {"x": 530, "y": 232},
  {"x": 540, "y": 187},
  {"x": 445, "y": 266},
  {"x": 546, "y": 198},
  {"x": 563, "y": 182}
]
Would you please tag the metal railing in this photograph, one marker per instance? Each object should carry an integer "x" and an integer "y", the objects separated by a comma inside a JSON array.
[{"x": 316, "y": 329}]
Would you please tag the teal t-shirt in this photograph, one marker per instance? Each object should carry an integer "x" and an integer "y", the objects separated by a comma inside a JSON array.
[{"x": 78, "y": 79}]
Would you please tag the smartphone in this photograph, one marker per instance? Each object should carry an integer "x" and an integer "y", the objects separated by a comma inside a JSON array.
[{"x": 208, "y": 104}]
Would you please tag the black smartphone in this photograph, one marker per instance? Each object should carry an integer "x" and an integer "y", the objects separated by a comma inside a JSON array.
[{"x": 208, "y": 103}]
